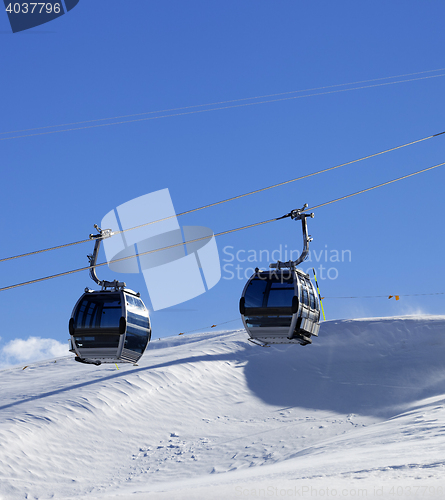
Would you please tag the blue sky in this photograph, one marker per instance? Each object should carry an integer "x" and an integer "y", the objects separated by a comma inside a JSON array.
[{"x": 109, "y": 58}]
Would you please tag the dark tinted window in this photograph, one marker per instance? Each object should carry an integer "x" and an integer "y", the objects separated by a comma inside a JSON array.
[
  {"x": 138, "y": 303},
  {"x": 134, "y": 341},
  {"x": 276, "y": 290},
  {"x": 304, "y": 297},
  {"x": 311, "y": 293},
  {"x": 254, "y": 295},
  {"x": 111, "y": 314},
  {"x": 86, "y": 315},
  {"x": 137, "y": 319},
  {"x": 280, "y": 294},
  {"x": 134, "y": 301},
  {"x": 97, "y": 341},
  {"x": 269, "y": 321},
  {"x": 98, "y": 312},
  {"x": 130, "y": 300}
]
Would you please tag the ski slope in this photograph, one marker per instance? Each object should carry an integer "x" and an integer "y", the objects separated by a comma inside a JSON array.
[{"x": 359, "y": 413}]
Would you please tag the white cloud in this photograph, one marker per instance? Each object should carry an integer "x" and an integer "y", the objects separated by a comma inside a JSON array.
[{"x": 32, "y": 349}]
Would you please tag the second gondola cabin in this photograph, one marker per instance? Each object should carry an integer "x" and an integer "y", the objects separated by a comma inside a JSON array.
[{"x": 281, "y": 305}]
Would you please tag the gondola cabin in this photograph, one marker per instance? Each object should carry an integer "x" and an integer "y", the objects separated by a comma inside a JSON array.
[
  {"x": 109, "y": 326},
  {"x": 280, "y": 307}
]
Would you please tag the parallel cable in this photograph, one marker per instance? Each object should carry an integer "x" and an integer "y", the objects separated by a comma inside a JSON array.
[
  {"x": 216, "y": 234},
  {"x": 230, "y": 199},
  {"x": 374, "y": 187},
  {"x": 35, "y": 252},
  {"x": 307, "y": 175},
  {"x": 133, "y": 256},
  {"x": 218, "y": 103},
  {"x": 384, "y": 296},
  {"x": 219, "y": 108}
]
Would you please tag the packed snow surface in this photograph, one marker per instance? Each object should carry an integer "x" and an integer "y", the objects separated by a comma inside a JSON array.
[{"x": 360, "y": 413}]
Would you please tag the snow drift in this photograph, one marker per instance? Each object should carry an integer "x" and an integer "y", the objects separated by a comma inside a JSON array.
[{"x": 358, "y": 412}]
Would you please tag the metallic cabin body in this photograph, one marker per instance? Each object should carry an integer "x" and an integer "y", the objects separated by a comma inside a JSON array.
[
  {"x": 291, "y": 317},
  {"x": 109, "y": 326}
]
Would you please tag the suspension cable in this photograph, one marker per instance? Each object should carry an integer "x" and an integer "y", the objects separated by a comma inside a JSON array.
[
  {"x": 226, "y": 102},
  {"x": 133, "y": 256},
  {"x": 374, "y": 187},
  {"x": 219, "y": 108},
  {"x": 216, "y": 234},
  {"x": 304, "y": 176},
  {"x": 44, "y": 250},
  {"x": 231, "y": 199},
  {"x": 383, "y": 296}
]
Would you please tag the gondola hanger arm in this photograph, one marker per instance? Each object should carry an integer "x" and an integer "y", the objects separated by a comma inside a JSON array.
[
  {"x": 103, "y": 233},
  {"x": 297, "y": 214}
]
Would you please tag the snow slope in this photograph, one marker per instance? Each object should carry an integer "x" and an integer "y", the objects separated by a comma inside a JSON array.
[{"x": 359, "y": 413}]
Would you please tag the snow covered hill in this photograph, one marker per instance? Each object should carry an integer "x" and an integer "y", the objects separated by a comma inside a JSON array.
[{"x": 359, "y": 413}]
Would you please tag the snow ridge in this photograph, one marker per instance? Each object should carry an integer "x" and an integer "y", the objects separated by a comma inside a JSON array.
[{"x": 211, "y": 416}]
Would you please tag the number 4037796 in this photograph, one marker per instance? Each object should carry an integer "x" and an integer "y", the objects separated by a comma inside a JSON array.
[{"x": 31, "y": 8}]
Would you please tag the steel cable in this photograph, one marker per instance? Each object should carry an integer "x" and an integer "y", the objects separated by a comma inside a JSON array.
[
  {"x": 226, "y": 102},
  {"x": 230, "y": 199},
  {"x": 218, "y": 234}
]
